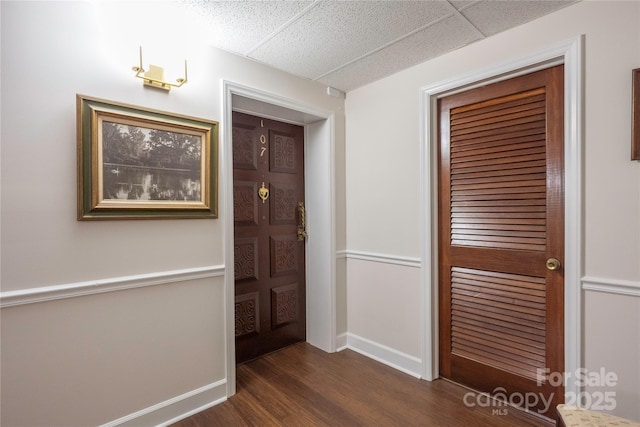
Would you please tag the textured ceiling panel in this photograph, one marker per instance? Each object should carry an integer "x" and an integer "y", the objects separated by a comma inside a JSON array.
[
  {"x": 347, "y": 44},
  {"x": 442, "y": 37},
  {"x": 238, "y": 26},
  {"x": 335, "y": 32},
  {"x": 492, "y": 17}
]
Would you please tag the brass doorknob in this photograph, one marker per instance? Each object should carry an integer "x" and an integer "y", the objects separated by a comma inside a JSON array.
[{"x": 553, "y": 264}]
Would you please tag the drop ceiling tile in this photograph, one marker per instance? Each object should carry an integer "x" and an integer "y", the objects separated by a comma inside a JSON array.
[
  {"x": 442, "y": 37},
  {"x": 335, "y": 32},
  {"x": 238, "y": 26},
  {"x": 494, "y": 16}
]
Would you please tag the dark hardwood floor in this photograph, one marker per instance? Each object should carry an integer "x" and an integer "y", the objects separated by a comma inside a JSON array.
[{"x": 303, "y": 386}]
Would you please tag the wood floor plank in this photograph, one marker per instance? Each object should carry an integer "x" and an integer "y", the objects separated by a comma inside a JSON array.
[
  {"x": 304, "y": 386},
  {"x": 261, "y": 390}
]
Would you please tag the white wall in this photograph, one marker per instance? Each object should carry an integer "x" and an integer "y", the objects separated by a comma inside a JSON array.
[
  {"x": 611, "y": 325},
  {"x": 395, "y": 324},
  {"x": 93, "y": 359},
  {"x": 89, "y": 360},
  {"x": 383, "y": 188}
]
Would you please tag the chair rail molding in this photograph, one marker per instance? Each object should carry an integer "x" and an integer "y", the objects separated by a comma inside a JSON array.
[
  {"x": 381, "y": 258},
  {"x": 611, "y": 286},
  {"x": 91, "y": 287}
]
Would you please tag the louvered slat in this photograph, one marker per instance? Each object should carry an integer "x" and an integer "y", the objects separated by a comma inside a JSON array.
[
  {"x": 498, "y": 319},
  {"x": 500, "y": 178},
  {"x": 512, "y": 101},
  {"x": 523, "y": 135}
]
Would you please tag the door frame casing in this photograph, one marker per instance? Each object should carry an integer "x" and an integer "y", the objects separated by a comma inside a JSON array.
[
  {"x": 320, "y": 254},
  {"x": 569, "y": 53}
]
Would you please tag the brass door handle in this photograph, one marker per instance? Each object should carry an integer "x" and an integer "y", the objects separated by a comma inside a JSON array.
[
  {"x": 553, "y": 264},
  {"x": 302, "y": 232}
]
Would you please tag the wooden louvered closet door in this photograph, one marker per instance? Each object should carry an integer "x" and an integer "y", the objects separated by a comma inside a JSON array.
[{"x": 501, "y": 216}]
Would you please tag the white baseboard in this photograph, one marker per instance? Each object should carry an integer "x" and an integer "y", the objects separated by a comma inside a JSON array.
[
  {"x": 175, "y": 409},
  {"x": 391, "y": 357},
  {"x": 341, "y": 342}
]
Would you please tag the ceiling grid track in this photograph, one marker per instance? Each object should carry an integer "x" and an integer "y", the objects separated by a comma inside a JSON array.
[
  {"x": 384, "y": 46},
  {"x": 284, "y": 26},
  {"x": 457, "y": 13}
]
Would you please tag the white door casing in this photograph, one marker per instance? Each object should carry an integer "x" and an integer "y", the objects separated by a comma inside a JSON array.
[{"x": 319, "y": 168}]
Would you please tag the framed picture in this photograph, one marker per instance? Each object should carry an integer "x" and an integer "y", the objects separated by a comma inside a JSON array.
[
  {"x": 635, "y": 116},
  {"x": 136, "y": 163}
]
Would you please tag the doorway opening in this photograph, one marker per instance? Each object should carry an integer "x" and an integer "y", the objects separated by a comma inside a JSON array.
[
  {"x": 269, "y": 235},
  {"x": 319, "y": 186}
]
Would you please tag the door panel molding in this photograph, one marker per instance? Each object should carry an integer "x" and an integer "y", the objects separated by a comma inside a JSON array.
[
  {"x": 319, "y": 137},
  {"x": 570, "y": 54}
]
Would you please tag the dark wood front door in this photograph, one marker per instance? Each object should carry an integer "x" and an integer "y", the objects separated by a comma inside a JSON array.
[
  {"x": 268, "y": 185},
  {"x": 501, "y": 228}
]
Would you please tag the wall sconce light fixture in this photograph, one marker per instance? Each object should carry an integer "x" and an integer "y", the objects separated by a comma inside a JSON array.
[{"x": 154, "y": 77}]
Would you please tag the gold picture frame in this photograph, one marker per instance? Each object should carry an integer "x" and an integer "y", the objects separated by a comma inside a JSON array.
[
  {"x": 136, "y": 163},
  {"x": 635, "y": 115}
]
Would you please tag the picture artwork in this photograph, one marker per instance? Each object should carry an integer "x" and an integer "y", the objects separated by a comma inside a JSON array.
[{"x": 144, "y": 164}]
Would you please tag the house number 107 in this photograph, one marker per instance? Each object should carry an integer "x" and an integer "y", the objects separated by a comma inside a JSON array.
[{"x": 263, "y": 140}]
